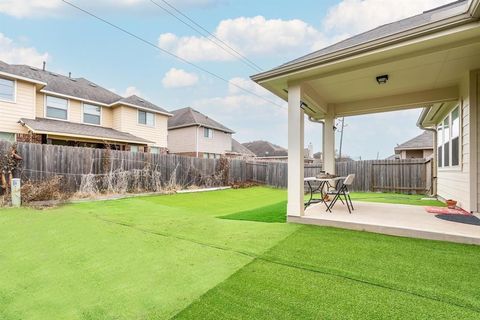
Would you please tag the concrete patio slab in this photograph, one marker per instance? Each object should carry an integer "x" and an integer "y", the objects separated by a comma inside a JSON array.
[{"x": 391, "y": 219}]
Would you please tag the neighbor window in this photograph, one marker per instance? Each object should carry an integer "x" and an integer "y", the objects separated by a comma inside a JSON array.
[
  {"x": 57, "y": 108},
  {"x": 133, "y": 148},
  {"x": 155, "y": 150},
  {"x": 208, "y": 133},
  {"x": 91, "y": 114},
  {"x": 146, "y": 118},
  {"x": 7, "y": 136},
  {"x": 7, "y": 90},
  {"x": 448, "y": 140}
]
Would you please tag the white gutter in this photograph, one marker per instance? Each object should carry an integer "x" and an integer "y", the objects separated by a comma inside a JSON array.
[{"x": 14, "y": 76}]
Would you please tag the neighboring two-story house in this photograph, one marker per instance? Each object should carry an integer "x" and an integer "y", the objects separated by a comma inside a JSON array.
[
  {"x": 192, "y": 133},
  {"x": 44, "y": 107}
]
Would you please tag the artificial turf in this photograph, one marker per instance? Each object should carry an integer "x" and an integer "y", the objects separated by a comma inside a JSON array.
[
  {"x": 396, "y": 198},
  {"x": 211, "y": 255}
]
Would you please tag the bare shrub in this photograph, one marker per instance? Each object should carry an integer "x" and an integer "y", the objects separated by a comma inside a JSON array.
[{"x": 45, "y": 190}]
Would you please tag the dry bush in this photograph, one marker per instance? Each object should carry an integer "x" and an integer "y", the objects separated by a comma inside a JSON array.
[{"x": 45, "y": 190}]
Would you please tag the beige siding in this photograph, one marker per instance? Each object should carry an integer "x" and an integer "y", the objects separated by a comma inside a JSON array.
[
  {"x": 40, "y": 106},
  {"x": 126, "y": 119},
  {"x": 107, "y": 117},
  {"x": 220, "y": 142},
  {"x": 23, "y": 107},
  {"x": 182, "y": 140},
  {"x": 455, "y": 183}
]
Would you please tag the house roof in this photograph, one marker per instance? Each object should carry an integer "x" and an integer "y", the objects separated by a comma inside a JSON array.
[
  {"x": 237, "y": 147},
  {"x": 49, "y": 126},
  {"x": 80, "y": 88},
  {"x": 142, "y": 104},
  {"x": 264, "y": 148},
  {"x": 388, "y": 30},
  {"x": 420, "y": 142},
  {"x": 187, "y": 117}
]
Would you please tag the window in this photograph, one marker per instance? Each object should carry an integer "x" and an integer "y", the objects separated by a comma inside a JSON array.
[
  {"x": 57, "y": 108},
  {"x": 146, "y": 118},
  {"x": 208, "y": 133},
  {"x": 7, "y": 136},
  {"x": 133, "y": 148},
  {"x": 92, "y": 114},
  {"x": 155, "y": 150},
  {"x": 448, "y": 140},
  {"x": 7, "y": 90}
]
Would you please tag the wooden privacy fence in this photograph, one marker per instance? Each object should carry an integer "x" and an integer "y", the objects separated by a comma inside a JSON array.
[
  {"x": 72, "y": 163},
  {"x": 42, "y": 161}
]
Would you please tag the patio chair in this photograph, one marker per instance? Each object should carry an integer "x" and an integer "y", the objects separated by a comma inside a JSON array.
[{"x": 342, "y": 191}]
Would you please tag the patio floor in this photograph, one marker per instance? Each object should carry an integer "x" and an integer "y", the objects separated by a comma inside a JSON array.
[{"x": 391, "y": 219}]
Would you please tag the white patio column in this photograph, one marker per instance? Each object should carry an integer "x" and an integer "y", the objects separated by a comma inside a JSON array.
[
  {"x": 295, "y": 152},
  {"x": 329, "y": 141}
]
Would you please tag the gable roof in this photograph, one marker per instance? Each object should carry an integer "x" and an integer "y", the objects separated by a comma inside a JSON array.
[
  {"x": 141, "y": 103},
  {"x": 42, "y": 125},
  {"x": 420, "y": 142},
  {"x": 237, "y": 147},
  {"x": 266, "y": 149},
  {"x": 187, "y": 117},
  {"x": 394, "y": 29},
  {"x": 79, "y": 88}
]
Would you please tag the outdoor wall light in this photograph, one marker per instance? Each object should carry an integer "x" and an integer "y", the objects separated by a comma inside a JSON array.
[{"x": 382, "y": 79}]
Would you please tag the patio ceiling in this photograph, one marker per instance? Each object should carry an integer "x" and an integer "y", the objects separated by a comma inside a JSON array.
[{"x": 421, "y": 72}]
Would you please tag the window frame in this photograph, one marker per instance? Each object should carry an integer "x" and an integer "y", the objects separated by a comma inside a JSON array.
[
  {"x": 448, "y": 116},
  {"x": 209, "y": 130},
  {"x": 83, "y": 114},
  {"x": 46, "y": 107},
  {"x": 146, "y": 122},
  {"x": 14, "y": 90}
]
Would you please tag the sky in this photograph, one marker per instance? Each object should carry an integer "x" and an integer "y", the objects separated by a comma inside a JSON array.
[{"x": 267, "y": 32}]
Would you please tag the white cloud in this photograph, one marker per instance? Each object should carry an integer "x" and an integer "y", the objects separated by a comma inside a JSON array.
[
  {"x": 42, "y": 8},
  {"x": 178, "y": 78},
  {"x": 355, "y": 16},
  {"x": 249, "y": 36},
  {"x": 130, "y": 91},
  {"x": 12, "y": 52}
]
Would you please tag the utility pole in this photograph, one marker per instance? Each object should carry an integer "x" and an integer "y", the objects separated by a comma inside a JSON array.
[{"x": 341, "y": 138}]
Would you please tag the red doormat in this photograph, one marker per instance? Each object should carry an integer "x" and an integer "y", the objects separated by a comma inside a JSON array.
[{"x": 439, "y": 210}]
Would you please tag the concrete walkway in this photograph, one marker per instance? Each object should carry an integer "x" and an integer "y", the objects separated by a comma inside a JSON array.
[{"x": 391, "y": 219}]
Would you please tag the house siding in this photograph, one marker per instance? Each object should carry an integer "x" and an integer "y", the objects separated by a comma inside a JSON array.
[
  {"x": 23, "y": 107},
  {"x": 219, "y": 144},
  {"x": 183, "y": 140},
  {"x": 455, "y": 183},
  {"x": 126, "y": 119}
]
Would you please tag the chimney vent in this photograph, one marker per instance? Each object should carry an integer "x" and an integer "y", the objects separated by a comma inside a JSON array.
[
  {"x": 69, "y": 74},
  {"x": 44, "y": 65}
]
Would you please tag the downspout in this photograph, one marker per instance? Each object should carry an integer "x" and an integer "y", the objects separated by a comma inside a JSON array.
[
  {"x": 196, "y": 141},
  {"x": 435, "y": 153}
]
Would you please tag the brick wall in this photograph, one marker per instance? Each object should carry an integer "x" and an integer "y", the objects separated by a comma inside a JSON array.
[{"x": 29, "y": 137}]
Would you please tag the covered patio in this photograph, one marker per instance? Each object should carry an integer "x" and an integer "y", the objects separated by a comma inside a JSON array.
[{"x": 429, "y": 61}]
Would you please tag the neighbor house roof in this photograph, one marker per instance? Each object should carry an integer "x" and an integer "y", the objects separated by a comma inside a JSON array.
[
  {"x": 48, "y": 126},
  {"x": 437, "y": 15},
  {"x": 420, "y": 142},
  {"x": 79, "y": 88},
  {"x": 187, "y": 117},
  {"x": 266, "y": 149},
  {"x": 237, "y": 147}
]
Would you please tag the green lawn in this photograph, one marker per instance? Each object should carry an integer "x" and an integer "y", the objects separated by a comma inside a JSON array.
[{"x": 222, "y": 255}]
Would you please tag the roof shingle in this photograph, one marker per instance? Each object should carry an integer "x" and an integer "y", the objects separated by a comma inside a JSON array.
[
  {"x": 187, "y": 117},
  {"x": 43, "y": 125},
  {"x": 423, "y": 141}
]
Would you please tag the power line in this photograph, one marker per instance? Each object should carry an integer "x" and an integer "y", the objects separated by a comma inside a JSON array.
[
  {"x": 170, "y": 53},
  {"x": 207, "y": 34}
]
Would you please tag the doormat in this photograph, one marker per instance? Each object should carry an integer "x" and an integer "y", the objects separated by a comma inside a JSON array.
[
  {"x": 440, "y": 211},
  {"x": 460, "y": 218}
]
